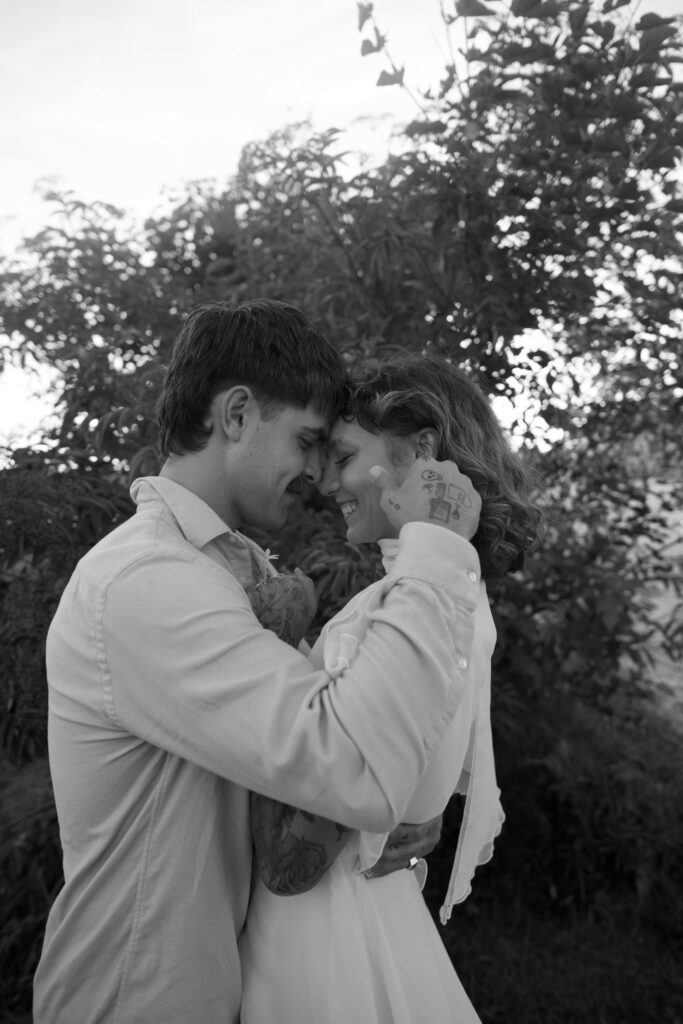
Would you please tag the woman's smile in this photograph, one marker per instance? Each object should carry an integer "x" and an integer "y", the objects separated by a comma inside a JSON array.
[{"x": 348, "y": 508}]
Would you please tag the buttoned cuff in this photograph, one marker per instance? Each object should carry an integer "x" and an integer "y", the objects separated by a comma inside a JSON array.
[{"x": 433, "y": 553}]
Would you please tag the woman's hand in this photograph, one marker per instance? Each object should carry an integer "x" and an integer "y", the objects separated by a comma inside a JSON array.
[
  {"x": 432, "y": 492},
  {"x": 405, "y": 843},
  {"x": 286, "y": 604}
]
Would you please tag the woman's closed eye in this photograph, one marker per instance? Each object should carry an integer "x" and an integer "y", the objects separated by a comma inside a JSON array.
[{"x": 340, "y": 462}]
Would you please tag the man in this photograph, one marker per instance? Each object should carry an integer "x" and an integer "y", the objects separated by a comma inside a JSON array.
[{"x": 169, "y": 701}]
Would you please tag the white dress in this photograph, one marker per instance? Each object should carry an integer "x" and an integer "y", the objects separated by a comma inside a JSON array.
[{"x": 366, "y": 951}]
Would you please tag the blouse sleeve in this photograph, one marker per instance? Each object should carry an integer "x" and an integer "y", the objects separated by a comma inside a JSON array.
[{"x": 463, "y": 763}]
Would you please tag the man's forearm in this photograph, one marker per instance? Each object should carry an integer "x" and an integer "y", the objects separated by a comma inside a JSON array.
[{"x": 294, "y": 849}]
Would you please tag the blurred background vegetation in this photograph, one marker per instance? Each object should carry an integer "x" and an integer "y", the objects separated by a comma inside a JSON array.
[{"x": 530, "y": 230}]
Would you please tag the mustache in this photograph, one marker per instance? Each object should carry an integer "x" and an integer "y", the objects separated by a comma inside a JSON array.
[{"x": 297, "y": 486}]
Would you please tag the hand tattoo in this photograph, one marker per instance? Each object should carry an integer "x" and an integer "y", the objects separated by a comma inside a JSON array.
[{"x": 442, "y": 511}]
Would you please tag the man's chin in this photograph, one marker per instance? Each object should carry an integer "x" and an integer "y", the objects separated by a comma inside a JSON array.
[{"x": 275, "y": 520}]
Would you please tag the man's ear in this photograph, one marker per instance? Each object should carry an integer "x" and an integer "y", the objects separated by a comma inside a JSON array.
[{"x": 233, "y": 409}]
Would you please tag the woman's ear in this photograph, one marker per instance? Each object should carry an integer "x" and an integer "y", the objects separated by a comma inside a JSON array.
[
  {"x": 233, "y": 408},
  {"x": 427, "y": 443},
  {"x": 404, "y": 450}
]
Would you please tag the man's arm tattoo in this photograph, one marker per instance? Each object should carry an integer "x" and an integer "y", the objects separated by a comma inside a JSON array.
[{"x": 294, "y": 849}]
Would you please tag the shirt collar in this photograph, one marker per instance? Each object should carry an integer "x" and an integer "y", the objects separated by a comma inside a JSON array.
[{"x": 198, "y": 521}]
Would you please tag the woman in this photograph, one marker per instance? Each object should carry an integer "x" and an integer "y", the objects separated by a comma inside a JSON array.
[{"x": 350, "y": 949}]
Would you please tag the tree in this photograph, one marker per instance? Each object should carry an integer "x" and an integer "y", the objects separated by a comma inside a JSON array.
[{"x": 529, "y": 229}]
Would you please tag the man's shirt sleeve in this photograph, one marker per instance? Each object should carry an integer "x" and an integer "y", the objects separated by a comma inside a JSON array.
[{"x": 185, "y": 665}]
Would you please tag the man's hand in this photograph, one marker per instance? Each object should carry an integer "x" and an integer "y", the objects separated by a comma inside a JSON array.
[
  {"x": 404, "y": 843},
  {"x": 432, "y": 492},
  {"x": 286, "y": 604}
]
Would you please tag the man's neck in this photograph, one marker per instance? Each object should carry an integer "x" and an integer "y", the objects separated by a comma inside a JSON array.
[{"x": 194, "y": 473}]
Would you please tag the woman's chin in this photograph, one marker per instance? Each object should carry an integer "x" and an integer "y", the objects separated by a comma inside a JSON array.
[{"x": 356, "y": 534}]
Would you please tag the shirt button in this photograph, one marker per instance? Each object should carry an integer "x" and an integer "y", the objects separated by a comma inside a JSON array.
[
  {"x": 462, "y": 663},
  {"x": 472, "y": 577}
]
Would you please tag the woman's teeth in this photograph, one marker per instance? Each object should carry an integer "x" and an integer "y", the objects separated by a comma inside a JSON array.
[{"x": 348, "y": 507}]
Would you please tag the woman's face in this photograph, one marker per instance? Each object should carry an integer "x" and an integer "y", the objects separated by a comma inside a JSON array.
[{"x": 353, "y": 451}]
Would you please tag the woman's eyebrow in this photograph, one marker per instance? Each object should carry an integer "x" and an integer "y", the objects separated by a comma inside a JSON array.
[{"x": 338, "y": 442}]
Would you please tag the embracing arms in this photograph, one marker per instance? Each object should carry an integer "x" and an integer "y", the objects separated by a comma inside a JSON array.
[{"x": 294, "y": 849}]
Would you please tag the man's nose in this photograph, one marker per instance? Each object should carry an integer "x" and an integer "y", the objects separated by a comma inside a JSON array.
[
  {"x": 329, "y": 483},
  {"x": 314, "y": 467}
]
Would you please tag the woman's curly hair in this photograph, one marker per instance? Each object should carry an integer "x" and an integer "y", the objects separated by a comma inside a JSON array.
[{"x": 409, "y": 393}]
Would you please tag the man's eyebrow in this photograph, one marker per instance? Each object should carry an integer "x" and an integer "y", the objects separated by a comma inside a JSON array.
[{"x": 316, "y": 433}]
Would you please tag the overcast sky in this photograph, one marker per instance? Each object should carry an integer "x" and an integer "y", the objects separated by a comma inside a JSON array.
[{"x": 116, "y": 99}]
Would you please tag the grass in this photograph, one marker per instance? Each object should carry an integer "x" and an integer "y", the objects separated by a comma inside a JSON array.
[{"x": 522, "y": 968}]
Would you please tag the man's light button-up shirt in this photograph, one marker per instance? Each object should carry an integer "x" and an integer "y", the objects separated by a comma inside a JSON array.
[{"x": 168, "y": 701}]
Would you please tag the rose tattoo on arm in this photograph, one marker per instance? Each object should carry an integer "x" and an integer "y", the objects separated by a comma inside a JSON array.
[
  {"x": 293, "y": 848},
  {"x": 284, "y": 604}
]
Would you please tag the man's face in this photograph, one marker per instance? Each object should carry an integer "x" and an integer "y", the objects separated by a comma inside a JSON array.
[{"x": 271, "y": 462}]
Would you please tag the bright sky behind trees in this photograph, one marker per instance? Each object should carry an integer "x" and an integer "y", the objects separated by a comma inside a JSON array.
[{"x": 118, "y": 99}]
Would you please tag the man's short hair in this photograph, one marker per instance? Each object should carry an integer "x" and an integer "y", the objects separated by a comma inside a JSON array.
[{"x": 267, "y": 345}]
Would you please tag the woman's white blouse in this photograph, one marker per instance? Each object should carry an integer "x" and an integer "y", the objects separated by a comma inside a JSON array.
[{"x": 463, "y": 762}]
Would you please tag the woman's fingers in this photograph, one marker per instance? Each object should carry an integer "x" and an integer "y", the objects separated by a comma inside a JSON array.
[
  {"x": 383, "y": 478},
  {"x": 407, "y": 842}
]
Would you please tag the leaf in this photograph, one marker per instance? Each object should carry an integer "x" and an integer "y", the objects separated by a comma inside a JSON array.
[
  {"x": 649, "y": 21},
  {"x": 549, "y": 9},
  {"x": 425, "y": 127},
  {"x": 472, "y": 9},
  {"x": 523, "y": 7},
  {"x": 652, "y": 38},
  {"x": 527, "y": 54},
  {"x": 613, "y": 5},
  {"x": 577, "y": 17},
  {"x": 626, "y": 108},
  {"x": 364, "y": 12},
  {"x": 536, "y": 8},
  {"x": 604, "y": 29},
  {"x": 367, "y": 46},
  {"x": 645, "y": 78},
  {"x": 391, "y": 77}
]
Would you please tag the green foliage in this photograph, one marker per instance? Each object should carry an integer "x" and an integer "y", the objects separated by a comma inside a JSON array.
[
  {"x": 530, "y": 230},
  {"x": 31, "y": 859},
  {"x": 49, "y": 519}
]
